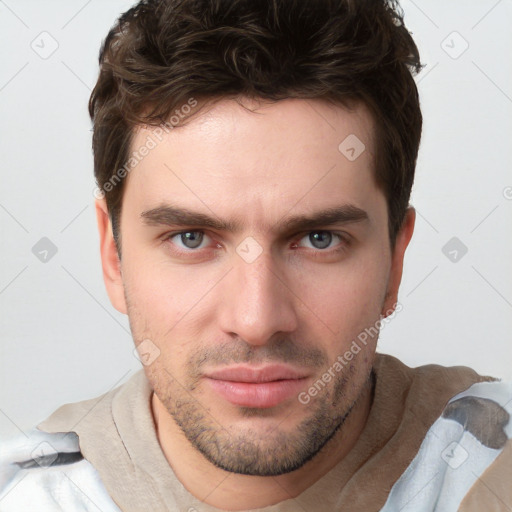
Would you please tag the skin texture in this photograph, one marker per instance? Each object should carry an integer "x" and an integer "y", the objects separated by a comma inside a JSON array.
[{"x": 300, "y": 302}]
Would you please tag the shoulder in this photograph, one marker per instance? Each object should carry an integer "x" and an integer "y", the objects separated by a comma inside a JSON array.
[
  {"x": 419, "y": 395},
  {"x": 48, "y": 465},
  {"x": 432, "y": 376},
  {"x": 49, "y": 469},
  {"x": 93, "y": 414},
  {"x": 465, "y": 460}
]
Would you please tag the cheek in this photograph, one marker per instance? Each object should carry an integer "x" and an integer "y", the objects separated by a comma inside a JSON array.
[
  {"x": 153, "y": 285},
  {"x": 166, "y": 302},
  {"x": 346, "y": 297}
]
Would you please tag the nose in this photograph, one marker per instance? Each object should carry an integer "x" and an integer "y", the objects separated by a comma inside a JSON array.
[{"x": 257, "y": 302}]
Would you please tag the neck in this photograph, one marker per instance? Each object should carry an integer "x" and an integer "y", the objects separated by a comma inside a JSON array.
[{"x": 231, "y": 491}]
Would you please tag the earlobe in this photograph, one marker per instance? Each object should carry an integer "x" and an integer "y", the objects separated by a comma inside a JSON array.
[
  {"x": 397, "y": 261},
  {"x": 109, "y": 258}
]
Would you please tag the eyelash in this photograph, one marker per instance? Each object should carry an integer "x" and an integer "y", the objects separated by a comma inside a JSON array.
[{"x": 344, "y": 240}]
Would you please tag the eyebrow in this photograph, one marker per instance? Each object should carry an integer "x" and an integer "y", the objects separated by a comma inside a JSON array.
[{"x": 169, "y": 215}]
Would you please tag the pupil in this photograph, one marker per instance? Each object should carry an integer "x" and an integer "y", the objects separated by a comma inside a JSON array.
[
  {"x": 320, "y": 239},
  {"x": 192, "y": 239}
]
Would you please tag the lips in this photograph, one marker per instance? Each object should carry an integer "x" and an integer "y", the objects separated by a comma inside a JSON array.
[{"x": 262, "y": 387}]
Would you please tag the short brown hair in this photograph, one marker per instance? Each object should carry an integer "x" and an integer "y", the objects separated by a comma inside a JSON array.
[{"x": 161, "y": 53}]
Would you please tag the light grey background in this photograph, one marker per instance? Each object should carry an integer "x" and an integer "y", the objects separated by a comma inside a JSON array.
[{"x": 61, "y": 339}]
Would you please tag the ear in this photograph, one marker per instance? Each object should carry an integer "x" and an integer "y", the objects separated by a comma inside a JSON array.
[
  {"x": 397, "y": 261},
  {"x": 109, "y": 258}
]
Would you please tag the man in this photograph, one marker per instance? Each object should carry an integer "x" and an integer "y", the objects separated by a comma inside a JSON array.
[{"x": 254, "y": 162}]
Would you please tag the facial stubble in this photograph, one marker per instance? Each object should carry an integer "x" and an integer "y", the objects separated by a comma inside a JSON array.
[{"x": 270, "y": 450}]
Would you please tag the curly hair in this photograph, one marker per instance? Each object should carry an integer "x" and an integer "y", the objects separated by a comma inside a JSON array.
[{"x": 161, "y": 53}]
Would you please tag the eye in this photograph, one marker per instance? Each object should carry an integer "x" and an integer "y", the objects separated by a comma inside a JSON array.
[
  {"x": 188, "y": 239},
  {"x": 322, "y": 239}
]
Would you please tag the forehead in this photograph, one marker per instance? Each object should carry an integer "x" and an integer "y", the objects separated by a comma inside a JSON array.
[{"x": 259, "y": 159}]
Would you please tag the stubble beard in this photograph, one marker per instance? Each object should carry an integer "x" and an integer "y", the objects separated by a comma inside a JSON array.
[{"x": 268, "y": 452}]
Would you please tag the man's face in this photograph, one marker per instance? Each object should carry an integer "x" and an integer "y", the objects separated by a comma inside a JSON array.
[{"x": 245, "y": 312}]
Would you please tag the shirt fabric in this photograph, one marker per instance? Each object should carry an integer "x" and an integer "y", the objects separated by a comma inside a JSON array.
[{"x": 436, "y": 439}]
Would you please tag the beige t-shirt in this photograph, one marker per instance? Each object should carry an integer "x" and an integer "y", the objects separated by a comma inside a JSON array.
[{"x": 117, "y": 436}]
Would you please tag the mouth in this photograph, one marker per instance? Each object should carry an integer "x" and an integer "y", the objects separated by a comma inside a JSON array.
[{"x": 261, "y": 387}]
